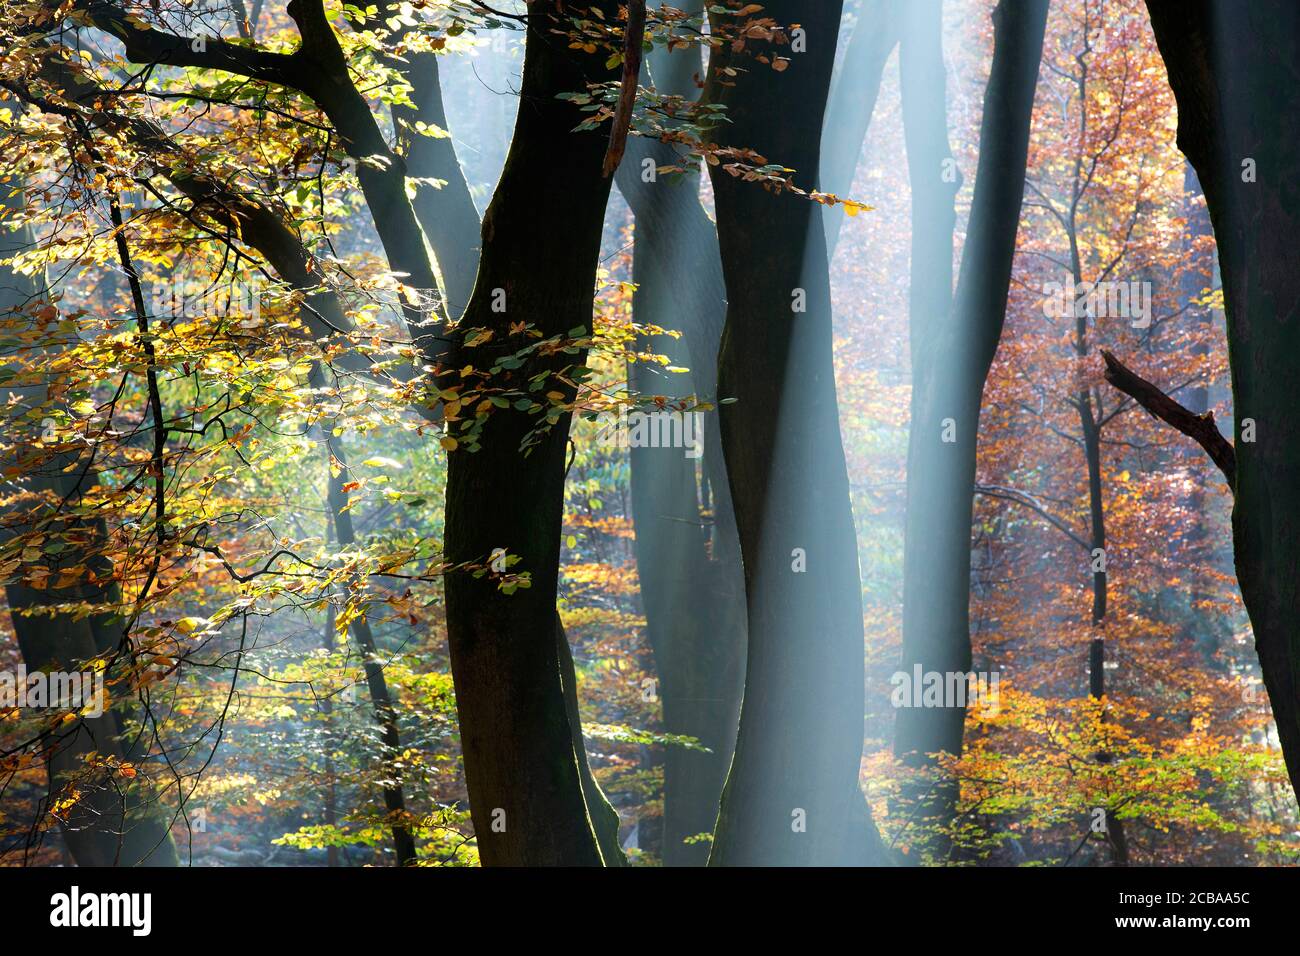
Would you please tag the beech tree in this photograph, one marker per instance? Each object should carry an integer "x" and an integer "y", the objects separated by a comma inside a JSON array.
[
  {"x": 319, "y": 71},
  {"x": 792, "y": 796},
  {"x": 520, "y": 760}
]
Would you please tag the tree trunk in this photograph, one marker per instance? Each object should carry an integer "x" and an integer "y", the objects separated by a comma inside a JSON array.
[
  {"x": 1100, "y": 580},
  {"x": 934, "y": 181},
  {"x": 604, "y": 818},
  {"x": 446, "y": 212},
  {"x": 946, "y": 399},
  {"x": 327, "y": 709},
  {"x": 792, "y": 796},
  {"x": 853, "y": 96},
  {"x": 1232, "y": 70},
  {"x": 693, "y": 601},
  {"x": 541, "y": 241},
  {"x": 340, "y": 517},
  {"x": 688, "y": 560}
]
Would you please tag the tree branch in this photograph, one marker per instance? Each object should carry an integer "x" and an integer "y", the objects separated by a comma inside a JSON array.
[
  {"x": 1200, "y": 428},
  {"x": 145, "y": 44},
  {"x": 633, "y": 37},
  {"x": 1029, "y": 501}
]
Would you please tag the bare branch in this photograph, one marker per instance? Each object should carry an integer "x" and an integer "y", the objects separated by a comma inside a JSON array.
[
  {"x": 1200, "y": 428},
  {"x": 1026, "y": 500}
]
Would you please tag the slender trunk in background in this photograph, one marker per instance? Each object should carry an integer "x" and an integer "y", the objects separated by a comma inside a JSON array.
[
  {"x": 934, "y": 181},
  {"x": 390, "y": 739},
  {"x": 327, "y": 710},
  {"x": 1232, "y": 70},
  {"x": 687, "y": 552},
  {"x": 1091, "y": 422},
  {"x": 853, "y": 96},
  {"x": 946, "y": 400},
  {"x": 541, "y": 242},
  {"x": 792, "y": 796},
  {"x": 1091, "y": 430}
]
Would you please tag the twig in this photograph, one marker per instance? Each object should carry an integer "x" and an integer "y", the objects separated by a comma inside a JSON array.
[{"x": 1029, "y": 501}]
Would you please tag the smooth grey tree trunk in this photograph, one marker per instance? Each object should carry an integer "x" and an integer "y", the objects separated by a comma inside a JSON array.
[
  {"x": 947, "y": 396},
  {"x": 792, "y": 796}
]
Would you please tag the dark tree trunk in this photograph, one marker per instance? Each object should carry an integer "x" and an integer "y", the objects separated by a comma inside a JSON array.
[
  {"x": 541, "y": 240},
  {"x": 792, "y": 796},
  {"x": 1208, "y": 630},
  {"x": 947, "y": 396},
  {"x": 691, "y": 581},
  {"x": 381, "y": 698},
  {"x": 1091, "y": 430},
  {"x": 1233, "y": 71}
]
